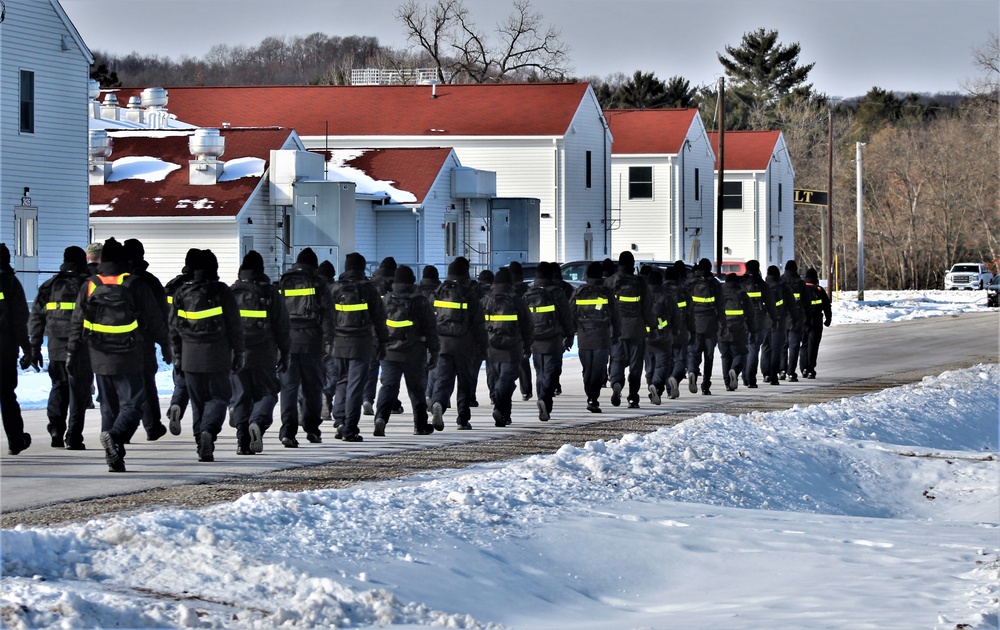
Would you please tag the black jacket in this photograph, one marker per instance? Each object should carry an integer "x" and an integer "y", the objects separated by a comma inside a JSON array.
[
  {"x": 315, "y": 337},
  {"x": 801, "y": 302},
  {"x": 148, "y": 314},
  {"x": 740, "y": 321},
  {"x": 588, "y": 335},
  {"x": 208, "y": 356},
  {"x": 786, "y": 312},
  {"x": 555, "y": 344},
  {"x": 705, "y": 317},
  {"x": 16, "y": 308},
  {"x": 278, "y": 329},
  {"x": 515, "y": 352},
  {"x": 421, "y": 338},
  {"x": 473, "y": 342},
  {"x": 760, "y": 297},
  {"x": 40, "y": 324},
  {"x": 633, "y": 326},
  {"x": 667, "y": 319},
  {"x": 819, "y": 304},
  {"x": 351, "y": 346}
]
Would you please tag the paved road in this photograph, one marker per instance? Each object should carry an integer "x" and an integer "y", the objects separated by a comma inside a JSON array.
[{"x": 43, "y": 476}]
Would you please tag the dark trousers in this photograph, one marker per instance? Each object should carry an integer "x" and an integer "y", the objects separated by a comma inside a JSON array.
[
  {"x": 69, "y": 396},
  {"x": 350, "y": 394},
  {"x": 595, "y": 371},
  {"x": 371, "y": 379},
  {"x": 794, "y": 345},
  {"x": 659, "y": 365},
  {"x": 255, "y": 393},
  {"x": 524, "y": 377},
  {"x": 771, "y": 352},
  {"x": 151, "y": 415},
  {"x": 628, "y": 353},
  {"x": 753, "y": 357},
  {"x": 548, "y": 367},
  {"x": 10, "y": 410},
  {"x": 121, "y": 397},
  {"x": 734, "y": 357},
  {"x": 210, "y": 394},
  {"x": 415, "y": 374},
  {"x": 329, "y": 379},
  {"x": 504, "y": 376},
  {"x": 679, "y": 350},
  {"x": 452, "y": 368},
  {"x": 810, "y": 347},
  {"x": 702, "y": 347},
  {"x": 305, "y": 372},
  {"x": 180, "y": 395}
]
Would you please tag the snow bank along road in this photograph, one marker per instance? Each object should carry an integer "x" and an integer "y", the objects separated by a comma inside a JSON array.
[{"x": 45, "y": 485}]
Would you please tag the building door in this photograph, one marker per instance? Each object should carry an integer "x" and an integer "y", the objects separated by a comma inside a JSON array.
[{"x": 25, "y": 254}]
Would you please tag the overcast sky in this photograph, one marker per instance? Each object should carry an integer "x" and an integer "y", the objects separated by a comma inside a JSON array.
[{"x": 900, "y": 45}]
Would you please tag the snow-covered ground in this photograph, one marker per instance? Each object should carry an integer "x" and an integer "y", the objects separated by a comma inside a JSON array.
[{"x": 873, "y": 512}]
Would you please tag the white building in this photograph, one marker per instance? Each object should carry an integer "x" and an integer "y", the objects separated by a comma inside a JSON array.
[
  {"x": 662, "y": 169},
  {"x": 544, "y": 141},
  {"x": 759, "y": 214},
  {"x": 44, "y": 74}
]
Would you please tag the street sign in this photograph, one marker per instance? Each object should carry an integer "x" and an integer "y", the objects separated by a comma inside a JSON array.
[{"x": 810, "y": 197}]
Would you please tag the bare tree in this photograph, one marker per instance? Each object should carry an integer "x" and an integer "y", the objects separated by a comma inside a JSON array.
[{"x": 519, "y": 48}]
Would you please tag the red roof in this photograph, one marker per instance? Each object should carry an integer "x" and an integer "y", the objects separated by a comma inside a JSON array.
[
  {"x": 518, "y": 109},
  {"x": 746, "y": 150},
  {"x": 412, "y": 170},
  {"x": 174, "y": 196},
  {"x": 649, "y": 131}
]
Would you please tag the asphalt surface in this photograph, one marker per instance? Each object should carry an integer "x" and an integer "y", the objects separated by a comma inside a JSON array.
[{"x": 46, "y": 485}]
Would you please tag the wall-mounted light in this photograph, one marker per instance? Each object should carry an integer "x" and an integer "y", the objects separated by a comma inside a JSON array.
[
  {"x": 249, "y": 221},
  {"x": 727, "y": 250},
  {"x": 635, "y": 247}
]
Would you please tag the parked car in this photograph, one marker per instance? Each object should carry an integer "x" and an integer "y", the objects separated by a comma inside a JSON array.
[
  {"x": 993, "y": 292},
  {"x": 967, "y": 276}
]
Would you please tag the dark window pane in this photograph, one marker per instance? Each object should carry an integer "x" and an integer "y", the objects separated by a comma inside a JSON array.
[{"x": 640, "y": 182}]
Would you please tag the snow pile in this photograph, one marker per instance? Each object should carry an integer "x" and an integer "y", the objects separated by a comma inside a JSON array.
[
  {"x": 877, "y": 511},
  {"x": 890, "y": 306},
  {"x": 147, "y": 168}
]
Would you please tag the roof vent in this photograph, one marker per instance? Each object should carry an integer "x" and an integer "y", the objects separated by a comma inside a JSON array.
[
  {"x": 206, "y": 146},
  {"x": 93, "y": 89},
  {"x": 154, "y": 98},
  {"x": 109, "y": 109},
  {"x": 134, "y": 111},
  {"x": 98, "y": 150}
]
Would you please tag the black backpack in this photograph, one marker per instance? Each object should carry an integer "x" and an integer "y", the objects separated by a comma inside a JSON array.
[
  {"x": 591, "y": 307},
  {"x": 198, "y": 307},
  {"x": 502, "y": 328},
  {"x": 299, "y": 290},
  {"x": 255, "y": 304},
  {"x": 63, "y": 291},
  {"x": 628, "y": 292},
  {"x": 451, "y": 305},
  {"x": 399, "y": 319},
  {"x": 702, "y": 297},
  {"x": 542, "y": 306},
  {"x": 353, "y": 318},
  {"x": 734, "y": 306},
  {"x": 109, "y": 316}
]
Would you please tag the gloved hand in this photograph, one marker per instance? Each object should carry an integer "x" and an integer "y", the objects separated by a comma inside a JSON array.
[
  {"x": 36, "y": 358},
  {"x": 380, "y": 351},
  {"x": 527, "y": 352},
  {"x": 568, "y": 344},
  {"x": 827, "y": 322},
  {"x": 282, "y": 361},
  {"x": 432, "y": 360},
  {"x": 168, "y": 354},
  {"x": 238, "y": 359},
  {"x": 24, "y": 362},
  {"x": 70, "y": 362}
]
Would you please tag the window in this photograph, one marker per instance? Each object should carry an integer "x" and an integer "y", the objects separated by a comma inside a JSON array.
[
  {"x": 732, "y": 195},
  {"x": 640, "y": 182},
  {"x": 697, "y": 184},
  {"x": 27, "y": 101},
  {"x": 779, "y": 197},
  {"x": 589, "y": 162}
]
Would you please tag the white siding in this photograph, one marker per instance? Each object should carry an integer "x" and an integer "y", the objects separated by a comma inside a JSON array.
[
  {"x": 581, "y": 205},
  {"x": 167, "y": 242},
  {"x": 697, "y": 207},
  {"x": 397, "y": 236},
  {"x": 365, "y": 232},
  {"x": 52, "y": 161},
  {"x": 739, "y": 227},
  {"x": 262, "y": 230},
  {"x": 645, "y": 223}
]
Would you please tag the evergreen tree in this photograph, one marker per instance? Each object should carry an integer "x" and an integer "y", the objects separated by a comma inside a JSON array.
[{"x": 642, "y": 91}]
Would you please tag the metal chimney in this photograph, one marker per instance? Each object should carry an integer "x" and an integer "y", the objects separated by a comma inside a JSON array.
[
  {"x": 98, "y": 149},
  {"x": 206, "y": 145}
]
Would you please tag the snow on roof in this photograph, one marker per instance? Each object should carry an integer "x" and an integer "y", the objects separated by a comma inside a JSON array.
[
  {"x": 146, "y": 168},
  {"x": 649, "y": 131},
  {"x": 400, "y": 175},
  {"x": 243, "y": 167}
]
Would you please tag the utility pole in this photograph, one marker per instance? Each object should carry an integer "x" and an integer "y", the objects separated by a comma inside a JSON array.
[
  {"x": 722, "y": 178},
  {"x": 828, "y": 224},
  {"x": 861, "y": 226}
]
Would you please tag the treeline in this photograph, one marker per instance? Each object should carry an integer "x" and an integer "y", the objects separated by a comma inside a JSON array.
[{"x": 931, "y": 182}]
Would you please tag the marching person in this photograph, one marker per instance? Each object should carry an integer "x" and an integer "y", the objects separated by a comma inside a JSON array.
[
  {"x": 659, "y": 346},
  {"x": 51, "y": 316},
  {"x": 797, "y": 332},
  {"x": 707, "y": 319},
  {"x": 756, "y": 289},
  {"x": 411, "y": 349},
  {"x": 14, "y": 323},
  {"x": 597, "y": 325},
  {"x": 179, "y": 397},
  {"x": 820, "y": 317},
  {"x": 553, "y": 331},
  {"x": 207, "y": 337},
  {"x": 430, "y": 280},
  {"x": 359, "y": 331},
  {"x": 740, "y": 326},
  {"x": 776, "y": 325},
  {"x": 462, "y": 336},
  {"x": 509, "y": 336},
  {"x": 112, "y": 316},
  {"x": 328, "y": 272},
  {"x": 382, "y": 281},
  {"x": 266, "y": 330},
  {"x": 636, "y": 311},
  {"x": 673, "y": 289},
  {"x": 524, "y": 381},
  {"x": 310, "y": 314},
  {"x": 151, "y": 416}
]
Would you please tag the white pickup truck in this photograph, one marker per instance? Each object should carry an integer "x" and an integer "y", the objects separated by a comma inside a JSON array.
[{"x": 967, "y": 276}]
